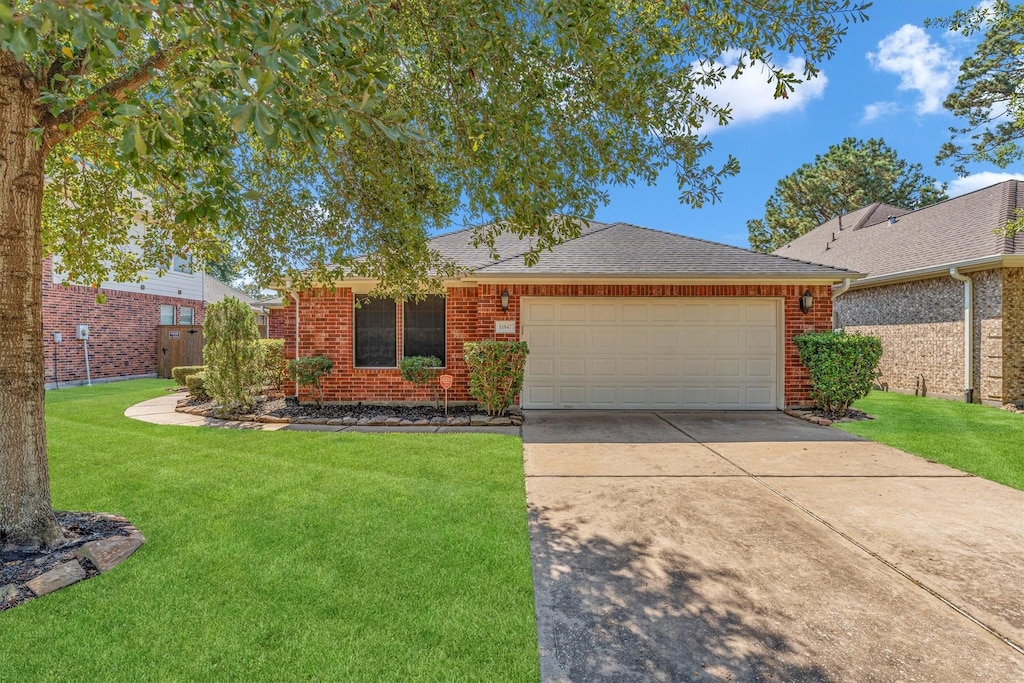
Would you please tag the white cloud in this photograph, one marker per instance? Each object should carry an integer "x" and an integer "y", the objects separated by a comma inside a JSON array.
[
  {"x": 877, "y": 110},
  {"x": 976, "y": 181},
  {"x": 751, "y": 97},
  {"x": 922, "y": 65}
]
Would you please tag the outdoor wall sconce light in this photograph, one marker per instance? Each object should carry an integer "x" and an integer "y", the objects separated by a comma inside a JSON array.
[
  {"x": 504, "y": 300},
  {"x": 806, "y": 302}
]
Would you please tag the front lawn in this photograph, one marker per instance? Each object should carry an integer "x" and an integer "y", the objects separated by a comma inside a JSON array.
[
  {"x": 985, "y": 441},
  {"x": 283, "y": 555}
]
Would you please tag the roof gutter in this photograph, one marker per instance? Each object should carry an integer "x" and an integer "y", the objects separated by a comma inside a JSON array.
[
  {"x": 968, "y": 333},
  {"x": 1003, "y": 260}
]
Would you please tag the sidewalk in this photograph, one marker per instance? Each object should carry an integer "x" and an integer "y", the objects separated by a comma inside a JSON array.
[{"x": 160, "y": 410}]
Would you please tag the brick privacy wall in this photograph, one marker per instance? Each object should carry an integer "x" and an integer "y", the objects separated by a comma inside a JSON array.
[
  {"x": 921, "y": 327},
  {"x": 122, "y": 330},
  {"x": 1013, "y": 334},
  {"x": 326, "y": 329}
]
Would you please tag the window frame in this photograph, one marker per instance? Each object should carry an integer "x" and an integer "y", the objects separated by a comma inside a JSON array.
[
  {"x": 174, "y": 314},
  {"x": 182, "y": 264},
  {"x": 444, "y": 327},
  {"x": 355, "y": 335},
  {"x": 181, "y": 315}
]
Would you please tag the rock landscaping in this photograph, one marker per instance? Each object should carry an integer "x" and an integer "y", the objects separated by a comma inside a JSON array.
[
  {"x": 289, "y": 411},
  {"x": 96, "y": 543},
  {"x": 819, "y": 417}
]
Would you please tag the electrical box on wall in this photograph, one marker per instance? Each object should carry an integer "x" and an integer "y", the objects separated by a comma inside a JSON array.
[
  {"x": 58, "y": 337},
  {"x": 82, "y": 332}
]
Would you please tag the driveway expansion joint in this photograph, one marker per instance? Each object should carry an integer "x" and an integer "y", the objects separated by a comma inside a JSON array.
[{"x": 876, "y": 556}]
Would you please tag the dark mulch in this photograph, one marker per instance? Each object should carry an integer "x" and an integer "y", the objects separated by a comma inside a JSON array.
[
  {"x": 289, "y": 407},
  {"x": 852, "y": 415},
  {"x": 17, "y": 567}
]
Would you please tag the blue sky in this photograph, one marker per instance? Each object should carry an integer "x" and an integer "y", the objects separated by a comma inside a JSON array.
[{"x": 887, "y": 79}]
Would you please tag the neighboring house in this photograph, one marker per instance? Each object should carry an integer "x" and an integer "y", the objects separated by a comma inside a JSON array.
[
  {"x": 215, "y": 291},
  {"x": 620, "y": 317},
  {"x": 914, "y": 297},
  {"x": 123, "y": 330}
]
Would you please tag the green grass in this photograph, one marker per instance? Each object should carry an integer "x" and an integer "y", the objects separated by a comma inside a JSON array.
[
  {"x": 985, "y": 441},
  {"x": 283, "y": 556}
]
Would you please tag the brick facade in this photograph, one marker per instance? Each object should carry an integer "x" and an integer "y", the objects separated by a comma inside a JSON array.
[
  {"x": 122, "y": 330},
  {"x": 921, "y": 326},
  {"x": 325, "y": 321}
]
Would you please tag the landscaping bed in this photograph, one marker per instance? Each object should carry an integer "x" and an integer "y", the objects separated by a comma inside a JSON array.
[{"x": 288, "y": 410}]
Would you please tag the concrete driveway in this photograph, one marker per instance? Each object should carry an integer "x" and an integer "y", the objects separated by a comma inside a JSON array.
[{"x": 755, "y": 546}]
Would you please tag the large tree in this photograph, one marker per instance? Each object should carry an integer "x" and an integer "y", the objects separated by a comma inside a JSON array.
[
  {"x": 849, "y": 175},
  {"x": 989, "y": 93},
  {"x": 303, "y": 134}
]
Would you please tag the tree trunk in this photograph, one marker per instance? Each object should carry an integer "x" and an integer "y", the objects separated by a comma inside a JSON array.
[{"x": 26, "y": 518}]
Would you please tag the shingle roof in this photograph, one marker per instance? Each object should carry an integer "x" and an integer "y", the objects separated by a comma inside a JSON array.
[
  {"x": 622, "y": 249},
  {"x": 214, "y": 290},
  {"x": 958, "y": 229}
]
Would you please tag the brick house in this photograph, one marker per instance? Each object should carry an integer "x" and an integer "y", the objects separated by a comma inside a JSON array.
[
  {"x": 924, "y": 269},
  {"x": 122, "y": 330},
  {"x": 619, "y": 317}
]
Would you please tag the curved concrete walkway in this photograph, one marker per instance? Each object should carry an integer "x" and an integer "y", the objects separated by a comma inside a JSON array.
[{"x": 160, "y": 410}]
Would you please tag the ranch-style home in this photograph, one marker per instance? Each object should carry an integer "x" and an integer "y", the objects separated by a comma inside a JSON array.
[
  {"x": 944, "y": 291},
  {"x": 621, "y": 317}
]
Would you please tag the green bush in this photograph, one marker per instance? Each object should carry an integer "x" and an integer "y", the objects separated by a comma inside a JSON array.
[
  {"x": 309, "y": 370},
  {"x": 495, "y": 372},
  {"x": 421, "y": 371},
  {"x": 843, "y": 367},
  {"x": 272, "y": 357},
  {"x": 232, "y": 354},
  {"x": 182, "y": 372},
  {"x": 196, "y": 385}
]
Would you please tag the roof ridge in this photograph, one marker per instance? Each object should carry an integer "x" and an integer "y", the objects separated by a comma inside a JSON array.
[{"x": 588, "y": 222}]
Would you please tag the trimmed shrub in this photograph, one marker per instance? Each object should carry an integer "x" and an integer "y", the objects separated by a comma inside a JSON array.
[
  {"x": 309, "y": 370},
  {"x": 421, "y": 371},
  {"x": 495, "y": 372},
  {"x": 272, "y": 358},
  {"x": 182, "y": 372},
  {"x": 232, "y": 354},
  {"x": 843, "y": 367},
  {"x": 196, "y": 384}
]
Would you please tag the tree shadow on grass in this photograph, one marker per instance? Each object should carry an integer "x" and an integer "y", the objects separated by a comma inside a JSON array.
[{"x": 634, "y": 611}]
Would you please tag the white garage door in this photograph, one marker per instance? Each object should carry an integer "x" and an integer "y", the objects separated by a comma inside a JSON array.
[{"x": 684, "y": 353}]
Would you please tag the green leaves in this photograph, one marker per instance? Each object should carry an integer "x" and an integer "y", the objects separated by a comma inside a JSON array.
[
  {"x": 843, "y": 367},
  {"x": 495, "y": 372},
  {"x": 847, "y": 177}
]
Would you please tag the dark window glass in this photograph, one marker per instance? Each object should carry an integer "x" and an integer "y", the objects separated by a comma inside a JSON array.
[
  {"x": 376, "y": 334},
  {"x": 424, "y": 328}
]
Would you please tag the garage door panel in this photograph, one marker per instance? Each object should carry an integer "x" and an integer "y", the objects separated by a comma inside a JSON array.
[{"x": 660, "y": 353}]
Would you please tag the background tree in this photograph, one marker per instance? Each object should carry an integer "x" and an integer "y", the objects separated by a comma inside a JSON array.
[
  {"x": 988, "y": 93},
  {"x": 306, "y": 133},
  {"x": 848, "y": 176}
]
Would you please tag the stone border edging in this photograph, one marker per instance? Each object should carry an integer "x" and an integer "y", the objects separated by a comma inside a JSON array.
[
  {"x": 808, "y": 416},
  {"x": 511, "y": 420}
]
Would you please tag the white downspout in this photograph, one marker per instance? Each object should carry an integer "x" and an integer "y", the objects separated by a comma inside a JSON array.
[
  {"x": 835, "y": 295},
  {"x": 968, "y": 333},
  {"x": 295, "y": 297}
]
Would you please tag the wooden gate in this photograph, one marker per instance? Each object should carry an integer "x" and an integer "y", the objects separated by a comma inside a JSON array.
[{"x": 178, "y": 345}]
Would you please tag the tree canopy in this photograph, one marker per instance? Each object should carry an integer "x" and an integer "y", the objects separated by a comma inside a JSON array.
[
  {"x": 989, "y": 95},
  {"x": 308, "y": 133},
  {"x": 848, "y": 176}
]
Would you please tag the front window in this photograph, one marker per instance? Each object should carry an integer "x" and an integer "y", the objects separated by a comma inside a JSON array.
[
  {"x": 166, "y": 314},
  {"x": 182, "y": 264},
  {"x": 423, "y": 328},
  {"x": 375, "y": 334},
  {"x": 187, "y": 316}
]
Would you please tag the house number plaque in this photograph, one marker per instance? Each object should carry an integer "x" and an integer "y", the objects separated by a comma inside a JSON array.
[{"x": 504, "y": 326}]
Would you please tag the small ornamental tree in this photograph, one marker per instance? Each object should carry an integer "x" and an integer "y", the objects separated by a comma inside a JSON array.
[
  {"x": 232, "y": 354},
  {"x": 495, "y": 372},
  {"x": 843, "y": 367},
  {"x": 421, "y": 371},
  {"x": 308, "y": 372}
]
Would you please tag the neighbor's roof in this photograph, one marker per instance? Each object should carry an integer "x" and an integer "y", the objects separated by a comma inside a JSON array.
[
  {"x": 952, "y": 231},
  {"x": 214, "y": 290},
  {"x": 625, "y": 250}
]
